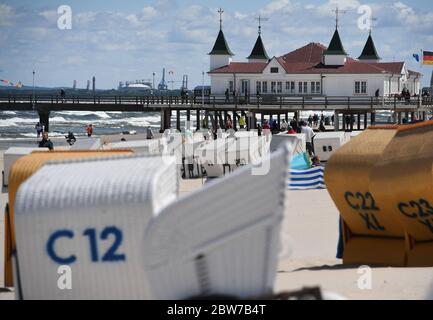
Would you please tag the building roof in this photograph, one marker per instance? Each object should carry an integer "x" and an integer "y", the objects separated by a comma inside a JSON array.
[
  {"x": 335, "y": 46},
  {"x": 308, "y": 60},
  {"x": 259, "y": 51},
  {"x": 221, "y": 47},
  {"x": 242, "y": 67},
  {"x": 369, "y": 52}
]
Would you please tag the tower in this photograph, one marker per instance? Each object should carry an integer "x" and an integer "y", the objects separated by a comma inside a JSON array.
[
  {"x": 335, "y": 55},
  {"x": 369, "y": 53},
  {"x": 88, "y": 85},
  {"x": 163, "y": 84},
  {"x": 220, "y": 55},
  {"x": 93, "y": 84},
  {"x": 259, "y": 53}
]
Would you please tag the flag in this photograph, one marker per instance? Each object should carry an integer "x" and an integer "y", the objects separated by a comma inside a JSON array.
[
  {"x": 416, "y": 56},
  {"x": 427, "y": 57}
]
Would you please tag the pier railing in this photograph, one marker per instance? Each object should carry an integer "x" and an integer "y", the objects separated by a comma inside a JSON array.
[{"x": 256, "y": 102}]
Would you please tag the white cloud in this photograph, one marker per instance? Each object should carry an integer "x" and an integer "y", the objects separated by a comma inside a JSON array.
[
  {"x": 277, "y": 6},
  {"x": 7, "y": 15}
]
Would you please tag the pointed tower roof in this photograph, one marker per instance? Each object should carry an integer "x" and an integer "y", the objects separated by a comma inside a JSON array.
[
  {"x": 221, "y": 47},
  {"x": 259, "y": 51},
  {"x": 335, "y": 47},
  {"x": 369, "y": 52}
]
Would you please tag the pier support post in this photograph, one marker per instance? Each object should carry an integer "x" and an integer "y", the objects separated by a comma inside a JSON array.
[
  {"x": 44, "y": 119},
  {"x": 359, "y": 122},
  {"x": 336, "y": 121},
  {"x": 235, "y": 115},
  {"x": 165, "y": 120},
  {"x": 262, "y": 120},
  {"x": 206, "y": 119},
  {"x": 198, "y": 119},
  {"x": 412, "y": 116},
  {"x": 373, "y": 118},
  {"x": 399, "y": 118},
  {"x": 279, "y": 120},
  {"x": 365, "y": 121},
  {"x": 178, "y": 120}
]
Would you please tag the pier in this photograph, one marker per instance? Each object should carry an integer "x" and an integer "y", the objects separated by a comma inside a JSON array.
[{"x": 359, "y": 109}]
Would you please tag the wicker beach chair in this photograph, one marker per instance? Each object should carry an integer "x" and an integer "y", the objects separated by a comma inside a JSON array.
[
  {"x": 89, "y": 215},
  {"x": 220, "y": 240},
  {"x": 22, "y": 169},
  {"x": 371, "y": 234},
  {"x": 402, "y": 182}
]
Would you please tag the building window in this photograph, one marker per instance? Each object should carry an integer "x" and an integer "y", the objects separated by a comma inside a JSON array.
[
  {"x": 300, "y": 87},
  {"x": 245, "y": 86},
  {"x": 259, "y": 87},
  {"x": 360, "y": 87},
  {"x": 265, "y": 87},
  {"x": 279, "y": 87},
  {"x": 315, "y": 87},
  {"x": 305, "y": 87},
  {"x": 231, "y": 86},
  {"x": 274, "y": 70},
  {"x": 290, "y": 86},
  {"x": 273, "y": 87}
]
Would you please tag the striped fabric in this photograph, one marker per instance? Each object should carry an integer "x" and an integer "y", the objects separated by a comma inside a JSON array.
[{"x": 306, "y": 179}]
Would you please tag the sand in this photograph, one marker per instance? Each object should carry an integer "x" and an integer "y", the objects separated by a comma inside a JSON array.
[{"x": 309, "y": 235}]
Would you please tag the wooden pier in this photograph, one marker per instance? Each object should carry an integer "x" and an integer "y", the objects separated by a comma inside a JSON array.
[{"x": 358, "y": 109}]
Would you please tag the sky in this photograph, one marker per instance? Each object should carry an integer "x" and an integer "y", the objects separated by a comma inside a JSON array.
[{"x": 130, "y": 40}]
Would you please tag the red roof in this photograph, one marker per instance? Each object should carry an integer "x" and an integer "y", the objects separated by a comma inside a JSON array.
[
  {"x": 308, "y": 60},
  {"x": 242, "y": 67}
]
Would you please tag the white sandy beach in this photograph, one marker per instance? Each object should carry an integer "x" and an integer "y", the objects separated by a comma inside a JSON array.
[{"x": 311, "y": 230}]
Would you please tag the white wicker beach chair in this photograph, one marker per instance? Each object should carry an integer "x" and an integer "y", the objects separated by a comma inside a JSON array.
[
  {"x": 220, "y": 240},
  {"x": 11, "y": 155},
  {"x": 148, "y": 147},
  {"x": 87, "y": 144},
  {"x": 90, "y": 215}
]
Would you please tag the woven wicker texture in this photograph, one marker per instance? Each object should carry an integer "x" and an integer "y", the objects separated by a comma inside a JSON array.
[
  {"x": 21, "y": 170},
  {"x": 371, "y": 234},
  {"x": 100, "y": 195},
  {"x": 223, "y": 239},
  {"x": 402, "y": 182}
]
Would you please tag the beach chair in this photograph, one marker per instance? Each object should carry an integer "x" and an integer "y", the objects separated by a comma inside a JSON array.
[
  {"x": 402, "y": 182},
  {"x": 22, "y": 169},
  {"x": 148, "y": 147},
  {"x": 87, "y": 144},
  {"x": 89, "y": 215},
  {"x": 13, "y": 154},
  {"x": 220, "y": 240},
  {"x": 371, "y": 234}
]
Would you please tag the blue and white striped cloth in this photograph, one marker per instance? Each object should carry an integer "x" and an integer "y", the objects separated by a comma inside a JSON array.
[{"x": 306, "y": 179}]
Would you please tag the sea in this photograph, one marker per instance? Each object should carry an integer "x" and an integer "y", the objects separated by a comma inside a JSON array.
[{"x": 21, "y": 124}]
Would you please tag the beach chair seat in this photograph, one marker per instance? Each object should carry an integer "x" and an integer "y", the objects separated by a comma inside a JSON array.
[
  {"x": 89, "y": 215},
  {"x": 21, "y": 170},
  {"x": 371, "y": 234},
  {"x": 222, "y": 239}
]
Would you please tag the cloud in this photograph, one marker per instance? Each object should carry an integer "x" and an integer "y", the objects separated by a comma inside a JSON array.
[
  {"x": 7, "y": 15},
  {"x": 277, "y": 6}
]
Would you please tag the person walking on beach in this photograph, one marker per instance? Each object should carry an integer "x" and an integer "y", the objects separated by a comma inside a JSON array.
[
  {"x": 89, "y": 130},
  {"x": 39, "y": 129},
  {"x": 149, "y": 133},
  {"x": 242, "y": 122},
  {"x": 309, "y": 135},
  {"x": 229, "y": 123},
  {"x": 46, "y": 142}
]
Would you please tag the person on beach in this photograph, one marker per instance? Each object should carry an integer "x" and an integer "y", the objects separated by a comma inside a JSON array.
[
  {"x": 89, "y": 130},
  {"x": 227, "y": 94},
  {"x": 70, "y": 138},
  {"x": 242, "y": 122},
  {"x": 62, "y": 95},
  {"x": 229, "y": 123},
  {"x": 322, "y": 127},
  {"x": 46, "y": 142},
  {"x": 290, "y": 130},
  {"x": 315, "y": 162},
  {"x": 39, "y": 129},
  {"x": 309, "y": 135},
  {"x": 149, "y": 133}
]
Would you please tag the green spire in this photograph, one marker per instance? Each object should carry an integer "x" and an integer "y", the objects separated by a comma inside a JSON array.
[
  {"x": 369, "y": 52},
  {"x": 335, "y": 47},
  {"x": 221, "y": 47},
  {"x": 259, "y": 51}
]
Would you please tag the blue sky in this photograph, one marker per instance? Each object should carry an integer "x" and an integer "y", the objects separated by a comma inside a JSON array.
[{"x": 129, "y": 40}]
